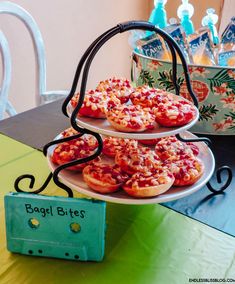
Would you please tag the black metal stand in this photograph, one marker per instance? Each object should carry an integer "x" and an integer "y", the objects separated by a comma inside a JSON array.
[{"x": 84, "y": 65}]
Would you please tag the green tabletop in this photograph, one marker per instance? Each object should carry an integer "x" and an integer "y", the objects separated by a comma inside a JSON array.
[
  {"x": 144, "y": 244},
  {"x": 12, "y": 150}
]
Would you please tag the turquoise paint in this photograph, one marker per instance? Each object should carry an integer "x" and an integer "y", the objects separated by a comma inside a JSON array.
[{"x": 68, "y": 228}]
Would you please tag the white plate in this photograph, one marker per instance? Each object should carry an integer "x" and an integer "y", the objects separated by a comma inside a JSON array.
[
  {"x": 75, "y": 181},
  {"x": 102, "y": 126}
]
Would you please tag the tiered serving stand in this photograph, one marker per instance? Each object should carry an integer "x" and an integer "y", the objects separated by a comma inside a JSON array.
[{"x": 69, "y": 181}]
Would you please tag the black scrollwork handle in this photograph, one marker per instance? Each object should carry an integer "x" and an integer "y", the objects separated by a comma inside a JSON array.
[
  {"x": 77, "y": 162},
  {"x": 79, "y": 69},
  {"x": 198, "y": 139},
  {"x": 65, "y": 139},
  {"x": 31, "y": 183},
  {"x": 120, "y": 28},
  {"x": 219, "y": 180},
  {"x": 54, "y": 175},
  {"x": 31, "y": 178}
]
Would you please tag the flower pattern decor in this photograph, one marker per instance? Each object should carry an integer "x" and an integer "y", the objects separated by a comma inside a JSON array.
[{"x": 213, "y": 86}]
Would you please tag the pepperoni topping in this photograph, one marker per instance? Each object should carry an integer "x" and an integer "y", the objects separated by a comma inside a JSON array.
[
  {"x": 95, "y": 103},
  {"x": 133, "y": 118},
  {"x": 175, "y": 113},
  {"x": 74, "y": 150},
  {"x": 108, "y": 174},
  {"x": 69, "y": 132},
  {"x": 113, "y": 145},
  {"x": 149, "y": 142},
  {"x": 141, "y": 159},
  {"x": 186, "y": 171},
  {"x": 149, "y": 184},
  {"x": 147, "y": 179},
  {"x": 170, "y": 148},
  {"x": 149, "y": 97},
  {"x": 86, "y": 139},
  {"x": 119, "y": 87}
]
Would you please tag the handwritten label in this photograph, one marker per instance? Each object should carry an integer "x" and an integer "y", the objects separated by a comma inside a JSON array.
[{"x": 54, "y": 211}]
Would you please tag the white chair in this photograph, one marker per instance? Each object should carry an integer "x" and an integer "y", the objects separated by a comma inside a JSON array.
[
  {"x": 42, "y": 95},
  {"x": 5, "y": 105}
]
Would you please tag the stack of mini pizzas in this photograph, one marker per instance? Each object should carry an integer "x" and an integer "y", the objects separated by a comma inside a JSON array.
[
  {"x": 144, "y": 168},
  {"x": 126, "y": 164},
  {"x": 139, "y": 109}
]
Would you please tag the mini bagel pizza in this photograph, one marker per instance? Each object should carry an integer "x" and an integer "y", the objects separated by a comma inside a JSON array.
[
  {"x": 146, "y": 96},
  {"x": 86, "y": 140},
  {"x": 170, "y": 148},
  {"x": 186, "y": 171},
  {"x": 149, "y": 184},
  {"x": 174, "y": 113},
  {"x": 75, "y": 150},
  {"x": 95, "y": 103},
  {"x": 130, "y": 118},
  {"x": 69, "y": 132},
  {"x": 119, "y": 87},
  {"x": 149, "y": 142},
  {"x": 113, "y": 145},
  {"x": 132, "y": 160},
  {"x": 104, "y": 178}
]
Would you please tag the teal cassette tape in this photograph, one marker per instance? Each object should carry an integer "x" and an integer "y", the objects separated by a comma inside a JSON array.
[{"x": 68, "y": 228}]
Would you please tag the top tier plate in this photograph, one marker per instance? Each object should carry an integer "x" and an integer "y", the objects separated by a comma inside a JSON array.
[{"x": 102, "y": 126}]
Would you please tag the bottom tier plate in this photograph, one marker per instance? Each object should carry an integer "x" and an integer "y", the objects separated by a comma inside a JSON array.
[{"x": 75, "y": 181}]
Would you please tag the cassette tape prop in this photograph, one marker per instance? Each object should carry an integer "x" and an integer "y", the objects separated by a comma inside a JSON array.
[{"x": 60, "y": 227}]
